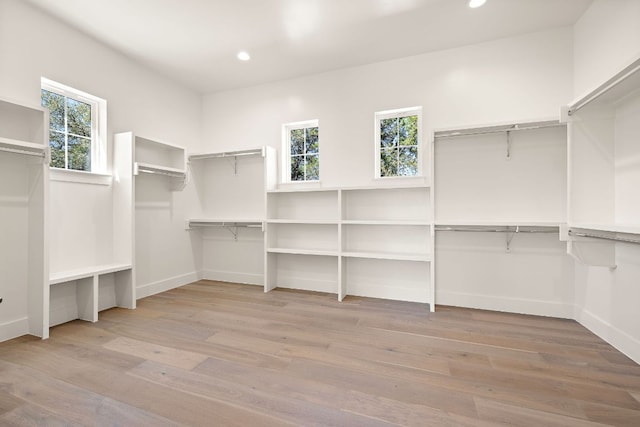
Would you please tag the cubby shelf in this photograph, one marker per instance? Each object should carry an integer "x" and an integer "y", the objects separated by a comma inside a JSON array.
[
  {"x": 388, "y": 226},
  {"x": 82, "y": 273},
  {"x": 388, "y": 256},
  {"x": 22, "y": 147},
  {"x": 302, "y": 252}
]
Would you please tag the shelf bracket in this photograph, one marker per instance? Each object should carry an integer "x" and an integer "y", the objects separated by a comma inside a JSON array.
[
  {"x": 508, "y": 144},
  {"x": 509, "y": 237},
  {"x": 234, "y": 163},
  {"x": 232, "y": 230}
]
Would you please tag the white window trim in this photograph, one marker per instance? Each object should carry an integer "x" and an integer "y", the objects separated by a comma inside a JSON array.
[
  {"x": 286, "y": 149},
  {"x": 98, "y": 128},
  {"x": 401, "y": 112}
]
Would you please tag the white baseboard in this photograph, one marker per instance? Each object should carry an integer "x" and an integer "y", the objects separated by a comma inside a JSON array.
[
  {"x": 510, "y": 305},
  {"x": 166, "y": 285},
  {"x": 14, "y": 329},
  {"x": 232, "y": 276},
  {"x": 619, "y": 339}
]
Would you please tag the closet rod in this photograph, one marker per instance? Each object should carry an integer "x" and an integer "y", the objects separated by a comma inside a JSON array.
[
  {"x": 224, "y": 224},
  {"x": 600, "y": 236},
  {"x": 169, "y": 174},
  {"x": 509, "y": 229},
  {"x": 25, "y": 152},
  {"x": 225, "y": 155},
  {"x": 500, "y": 129},
  {"x": 604, "y": 89}
]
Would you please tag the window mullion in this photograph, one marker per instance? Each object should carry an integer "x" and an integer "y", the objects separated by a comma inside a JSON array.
[{"x": 66, "y": 134}]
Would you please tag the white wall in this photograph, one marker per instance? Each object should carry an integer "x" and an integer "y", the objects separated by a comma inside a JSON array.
[
  {"x": 606, "y": 38},
  {"x": 32, "y": 45},
  {"x": 512, "y": 79}
]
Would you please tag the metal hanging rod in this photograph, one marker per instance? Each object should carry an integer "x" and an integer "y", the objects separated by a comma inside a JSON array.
[
  {"x": 225, "y": 224},
  {"x": 505, "y": 229},
  {"x": 24, "y": 152},
  {"x": 497, "y": 129},
  {"x": 604, "y": 237},
  {"x": 226, "y": 154},
  {"x": 159, "y": 172},
  {"x": 631, "y": 70}
]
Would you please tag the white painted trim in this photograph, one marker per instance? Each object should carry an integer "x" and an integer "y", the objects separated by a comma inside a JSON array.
[
  {"x": 232, "y": 276},
  {"x": 166, "y": 285},
  {"x": 14, "y": 329},
  {"x": 79, "y": 177},
  {"x": 505, "y": 304},
  {"x": 617, "y": 338}
]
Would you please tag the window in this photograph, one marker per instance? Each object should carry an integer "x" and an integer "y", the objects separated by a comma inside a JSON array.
[
  {"x": 75, "y": 128},
  {"x": 301, "y": 146},
  {"x": 398, "y": 142}
]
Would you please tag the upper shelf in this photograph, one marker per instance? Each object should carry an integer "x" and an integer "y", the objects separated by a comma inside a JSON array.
[
  {"x": 614, "y": 89},
  {"x": 225, "y": 154},
  {"x": 496, "y": 128},
  {"x": 22, "y": 147},
  {"x": 22, "y": 125},
  {"x": 157, "y": 169}
]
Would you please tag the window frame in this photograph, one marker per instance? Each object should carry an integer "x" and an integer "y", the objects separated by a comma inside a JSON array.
[
  {"x": 398, "y": 113},
  {"x": 98, "y": 125},
  {"x": 286, "y": 149}
]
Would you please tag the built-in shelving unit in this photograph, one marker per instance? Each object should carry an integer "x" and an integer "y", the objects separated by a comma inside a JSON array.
[
  {"x": 500, "y": 206},
  {"x": 365, "y": 241},
  {"x": 159, "y": 158},
  {"x": 24, "y": 263},
  {"x": 228, "y": 224},
  {"x": 93, "y": 269},
  {"x": 604, "y": 168}
]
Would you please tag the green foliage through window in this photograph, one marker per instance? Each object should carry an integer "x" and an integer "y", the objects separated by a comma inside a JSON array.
[
  {"x": 399, "y": 146},
  {"x": 70, "y": 131},
  {"x": 305, "y": 162}
]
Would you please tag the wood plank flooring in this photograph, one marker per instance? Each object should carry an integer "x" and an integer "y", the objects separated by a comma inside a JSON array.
[{"x": 212, "y": 353}]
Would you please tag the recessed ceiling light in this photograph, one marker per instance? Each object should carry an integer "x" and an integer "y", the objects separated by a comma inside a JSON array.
[
  {"x": 476, "y": 3},
  {"x": 243, "y": 56}
]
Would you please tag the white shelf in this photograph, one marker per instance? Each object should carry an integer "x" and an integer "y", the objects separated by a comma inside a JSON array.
[
  {"x": 293, "y": 251},
  {"x": 158, "y": 169},
  {"x": 385, "y": 222},
  {"x": 457, "y": 223},
  {"x": 388, "y": 256},
  {"x": 495, "y": 128},
  {"x": 303, "y": 221},
  {"x": 616, "y": 88},
  {"x": 226, "y": 154},
  {"x": 218, "y": 222},
  {"x": 610, "y": 228},
  {"x": 83, "y": 273},
  {"x": 22, "y": 147}
]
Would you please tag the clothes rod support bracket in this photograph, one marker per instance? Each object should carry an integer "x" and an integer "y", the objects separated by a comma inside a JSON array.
[
  {"x": 509, "y": 143},
  {"x": 234, "y": 231},
  {"x": 509, "y": 237},
  {"x": 234, "y": 163}
]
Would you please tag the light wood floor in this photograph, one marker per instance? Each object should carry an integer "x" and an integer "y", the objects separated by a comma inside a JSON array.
[{"x": 211, "y": 354}]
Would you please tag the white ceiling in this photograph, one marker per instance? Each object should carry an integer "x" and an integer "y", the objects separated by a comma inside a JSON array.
[{"x": 195, "y": 42}]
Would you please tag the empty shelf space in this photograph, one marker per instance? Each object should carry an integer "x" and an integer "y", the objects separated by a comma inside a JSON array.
[
  {"x": 295, "y": 251},
  {"x": 388, "y": 256},
  {"x": 83, "y": 273}
]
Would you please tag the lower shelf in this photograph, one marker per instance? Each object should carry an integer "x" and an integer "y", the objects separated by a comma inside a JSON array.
[
  {"x": 82, "y": 293},
  {"x": 404, "y": 277}
]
